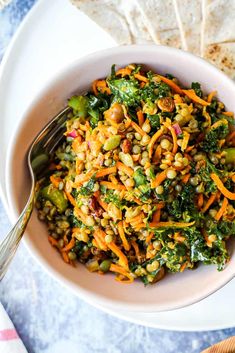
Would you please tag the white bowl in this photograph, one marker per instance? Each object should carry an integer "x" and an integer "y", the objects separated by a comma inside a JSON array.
[{"x": 175, "y": 290}]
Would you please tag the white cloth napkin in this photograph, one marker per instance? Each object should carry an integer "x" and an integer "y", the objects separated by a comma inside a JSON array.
[{"x": 9, "y": 339}]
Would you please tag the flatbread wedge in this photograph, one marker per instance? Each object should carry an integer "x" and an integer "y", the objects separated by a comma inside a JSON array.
[
  {"x": 160, "y": 19},
  {"x": 121, "y": 19},
  {"x": 222, "y": 55},
  {"x": 189, "y": 17},
  {"x": 218, "y": 22}
]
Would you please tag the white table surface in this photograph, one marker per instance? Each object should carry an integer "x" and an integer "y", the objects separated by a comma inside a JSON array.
[{"x": 50, "y": 319}]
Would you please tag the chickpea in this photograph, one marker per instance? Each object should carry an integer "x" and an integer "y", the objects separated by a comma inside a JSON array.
[
  {"x": 166, "y": 104},
  {"x": 115, "y": 113}
]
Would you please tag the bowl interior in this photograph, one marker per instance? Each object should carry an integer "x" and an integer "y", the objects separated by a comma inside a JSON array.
[{"x": 176, "y": 290}]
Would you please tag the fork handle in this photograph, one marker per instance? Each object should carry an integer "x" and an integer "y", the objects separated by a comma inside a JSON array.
[{"x": 11, "y": 242}]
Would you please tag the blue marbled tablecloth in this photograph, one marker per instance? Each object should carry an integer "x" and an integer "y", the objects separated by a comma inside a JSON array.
[{"x": 50, "y": 319}]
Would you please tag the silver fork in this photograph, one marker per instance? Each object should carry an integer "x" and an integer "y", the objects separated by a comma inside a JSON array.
[{"x": 38, "y": 158}]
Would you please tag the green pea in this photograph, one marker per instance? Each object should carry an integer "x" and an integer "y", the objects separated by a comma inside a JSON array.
[
  {"x": 72, "y": 255},
  {"x": 230, "y": 155},
  {"x": 105, "y": 265}
]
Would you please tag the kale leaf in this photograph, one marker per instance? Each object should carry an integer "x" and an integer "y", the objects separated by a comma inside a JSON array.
[
  {"x": 197, "y": 88},
  {"x": 210, "y": 143},
  {"x": 125, "y": 91},
  {"x": 87, "y": 190},
  {"x": 154, "y": 121},
  {"x": 97, "y": 105},
  {"x": 110, "y": 196},
  {"x": 139, "y": 177}
]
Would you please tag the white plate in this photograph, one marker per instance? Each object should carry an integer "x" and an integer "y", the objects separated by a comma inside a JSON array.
[{"x": 56, "y": 30}]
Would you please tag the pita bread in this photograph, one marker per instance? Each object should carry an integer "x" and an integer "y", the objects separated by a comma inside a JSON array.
[
  {"x": 121, "y": 19},
  {"x": 219, "y": 21},
  {"x": 135, "y": 21},
  {"x": 160, "y": 19},
  {"x": 222, "y": 55},
  {"x": 189, "y": 17}
]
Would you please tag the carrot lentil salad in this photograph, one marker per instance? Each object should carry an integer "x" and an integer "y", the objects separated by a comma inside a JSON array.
[{"x": 143, "y": 182}]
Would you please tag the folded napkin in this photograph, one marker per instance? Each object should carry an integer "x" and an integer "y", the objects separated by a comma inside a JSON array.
[
  {"x": 9, "y": 339},
  {"x": 226, "y": 346}
]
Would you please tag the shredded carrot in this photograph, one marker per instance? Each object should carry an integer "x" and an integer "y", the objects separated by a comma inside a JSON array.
[
  {"x": 189, "y": 148},
  {"x": 149, "y": 253},
  {"x": 137, "y": 128},
  {"x": 159, "y": 179},
  {"x": 174, "y": 137},
  {"x": 178, "y": 237},
  {"x": 140, "y": 117},
  {"x": 153, "y": 140},
  {"x": 76, "y": 144},
  {"x": 228, "y": 113},
  {"x": 112, "y": 186},
  {"x": 170, "y": 224},
  {"x": 222, "y": 209},
  {"x": 171, "y": 83},
  {"x": 113, "y": 179},
  {"x": 149, "y": 237},
  {"x": 103, "y": 172},
  {"x": 183, "y": 267},
  {"x": 122, "y": 167},
  {"x": 103, "y": 204},
  {"x": 157, "y": 154},
  {"x": 122, "y": 258},
  {"x": 80, "y": 214},
  {"x": 136, "y": 218},
  {"x": 102, "y": 86},
  {"x": 99, "y": 237},
  {"x": 106, "y": 171},
  {"x": 124, "y": 72},
  {"x": 118, "y": 269},
  {"x": 141, "y": 78},
  {"x": 136, "y": 248},
  {"x": 85, "y": 177},
  {"x": 122, "y": 235},
  {"x": 185, "y": 140},
  {"x": 209, "y": 202},
  {"x": 55, "y": 181},
  {"x": 200, "y": 201},
  {"x": 211, "y": 96},
  {"x": 137, "y": 201},
  {"x": 231, "y": 137},
  {"x": 185, "y": 178},
  {"x": 127, "y": 123},
  {"x": 230, "y": 195},
  {"x": 175, "y": 146},
  {"x": 65, "y": 256},
  {"x": 70, "y": 245},
  {"x": 52, "y": 241},
  {"x": 71, "y": 199},
  {"x": 156, "y": 216},
  {"x": 192, "y": 95}
]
